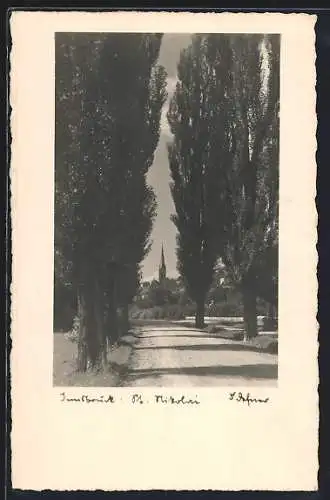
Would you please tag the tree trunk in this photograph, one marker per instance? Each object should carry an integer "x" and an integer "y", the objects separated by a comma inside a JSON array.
[
  {"x": 114, "y": 327},
  {"x": 111, "y": 330},
  {"x": 271, "y": 322},
  {"x": 107, "y": 325},
  {"x": 250, "y": 313},
  {"x": 82, "y": 341},
  {"x": 200, "y": 313},
  {"x": 100, "y": 337},
  {"x": 125, "y": 319},
  {"x": 271, "y": 312},
  {"x": 113, "y": 321},
  {"x": 112, "y": 324},
  {"x": 91, "y": 331}
]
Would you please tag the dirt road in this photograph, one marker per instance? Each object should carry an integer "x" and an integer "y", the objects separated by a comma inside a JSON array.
[{"x": 175, "y": 356}]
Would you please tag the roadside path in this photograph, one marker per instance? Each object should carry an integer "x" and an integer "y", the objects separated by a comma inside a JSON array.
[{"x": 175, "y": 356}]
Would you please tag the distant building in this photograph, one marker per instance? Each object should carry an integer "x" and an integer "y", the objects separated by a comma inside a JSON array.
[{"x": 162, "y": 268}]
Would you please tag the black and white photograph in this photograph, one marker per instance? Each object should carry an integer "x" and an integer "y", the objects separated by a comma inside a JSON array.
[
  {"x": 166, "y": 209},
  {"x": 164, "y": 287}
]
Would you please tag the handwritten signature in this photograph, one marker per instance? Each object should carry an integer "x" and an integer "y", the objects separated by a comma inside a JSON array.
[
  {"x": 84, "y": 398},
  {"x": 159, "y": 398},
  {"x": 241, "y": 398},
  {"x": 166, "y": 400}
]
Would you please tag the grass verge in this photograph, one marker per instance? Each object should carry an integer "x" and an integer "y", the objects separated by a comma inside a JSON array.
[{"x": 64, "y": 367}]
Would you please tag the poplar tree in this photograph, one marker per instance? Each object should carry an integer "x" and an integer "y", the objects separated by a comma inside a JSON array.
[
  {"x": 251, "y": 222},
  {"x": 195, "y": 159},
  {"x": 109, "y": 98},
  {"x": 224, "y": 165}
]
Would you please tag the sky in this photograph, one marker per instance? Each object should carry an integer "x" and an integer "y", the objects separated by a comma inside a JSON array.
[{"x": 164, "y": 231}]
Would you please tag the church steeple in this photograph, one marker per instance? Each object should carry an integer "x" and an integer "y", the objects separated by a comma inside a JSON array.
[{"x": 162, "y": 267}]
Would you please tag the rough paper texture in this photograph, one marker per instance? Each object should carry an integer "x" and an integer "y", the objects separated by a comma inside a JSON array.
[{"x": 217, "y": 444}]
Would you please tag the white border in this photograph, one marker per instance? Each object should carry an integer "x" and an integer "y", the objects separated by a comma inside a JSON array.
[{"x": 216, "y": 445}]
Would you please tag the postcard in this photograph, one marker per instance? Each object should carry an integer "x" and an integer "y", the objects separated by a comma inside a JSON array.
[{"x": 164, "y": 287}]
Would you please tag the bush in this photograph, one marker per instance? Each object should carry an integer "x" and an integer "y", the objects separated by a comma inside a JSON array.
[
  {"x": 223, "y": 309},
  {"x": 232, "y": 307},
  {"x": 73, "y": 334},
  {"x": 172, "y": 311},
  {"x": 176, "y": 312},
  {"x": 262, "y": 307},
  {"x": 270, "y": 324},
  {"x": 272, "y": 348},
  {"x": 188, "y": 310}
]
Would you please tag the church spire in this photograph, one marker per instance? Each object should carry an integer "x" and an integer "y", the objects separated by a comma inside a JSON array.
[{"x": 162, "y": 267}]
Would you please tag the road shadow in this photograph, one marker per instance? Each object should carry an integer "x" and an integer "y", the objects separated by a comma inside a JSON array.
[
  {"x": 186, "y": 337},
  {"x": 258, "y": 371},
  {"x": 206, "y": 347},
  {"x": 181, "y": 330}
]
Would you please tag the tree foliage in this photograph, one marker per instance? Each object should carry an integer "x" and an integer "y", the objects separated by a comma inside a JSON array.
[
  {"x": 109, "y": 96},
  {"x": 196, "y": 183},
  {"x": 224, "y": 164},
  {"x": 251, "y": 227}
]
